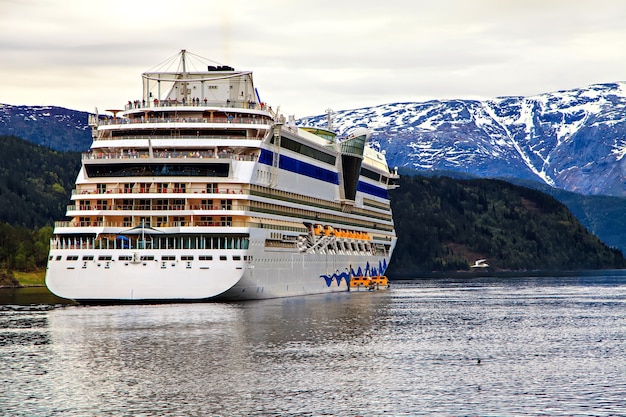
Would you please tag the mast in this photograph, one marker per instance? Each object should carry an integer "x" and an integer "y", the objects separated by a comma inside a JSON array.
[
  {"x": 184, "y": 83},
  {"x": 329, "y": 119}
]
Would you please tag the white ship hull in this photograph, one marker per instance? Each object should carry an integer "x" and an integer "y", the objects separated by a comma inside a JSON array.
[{"x": 277, "y": 275}]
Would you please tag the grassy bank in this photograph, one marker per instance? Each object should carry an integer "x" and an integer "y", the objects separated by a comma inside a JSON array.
[{"x": 31, "y": 279}]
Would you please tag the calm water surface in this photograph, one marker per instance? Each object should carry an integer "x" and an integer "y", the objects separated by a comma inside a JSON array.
[{"x": 522, "y": 346}]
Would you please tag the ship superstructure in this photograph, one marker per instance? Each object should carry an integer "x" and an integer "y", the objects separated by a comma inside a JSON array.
[{"x": 200, "y": 190}]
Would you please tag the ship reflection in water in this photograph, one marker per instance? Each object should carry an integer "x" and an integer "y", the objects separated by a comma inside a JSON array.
[{"x": 519, "y": 346}]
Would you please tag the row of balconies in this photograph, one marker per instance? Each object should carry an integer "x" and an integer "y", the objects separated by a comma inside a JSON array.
[
  {"x": 138, "y": 189},
  {"x": 130, "y": 224},
  {"x": 157, "y": 207},
  {"x": 157, "y": 154},
  {"x": 248, "y": 120},
  {"x": 195, "y": 102},
  {"x": 230, "y": 206}
]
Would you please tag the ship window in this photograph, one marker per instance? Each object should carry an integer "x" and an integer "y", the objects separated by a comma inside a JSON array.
[
  {"x": 72, "y": 258},
  {"x": 102, "y": 205},
  {"x": 205, "y": 257},
  {"x": 147, "y": 258},
  {"x": 105, "y": 257},
  {"x": 160, "y": 204},
  {"x": 59, "y": 258},
  {"x": 300, "y": 148},
  {"x": 370, "y": 174},
  {"x": 223, "y": 258},
  {"x": 125, "y": 258},
  {"x": 142, "y": 204},
  {"x": 186, "y": 258},
  {"x": 157, "y": 170},
  {"x": 88, "y": 258},
  {"x": 168, "y": 258},
  {"x": 50, "y": 258},
  {"x": 236, "y": 258}
]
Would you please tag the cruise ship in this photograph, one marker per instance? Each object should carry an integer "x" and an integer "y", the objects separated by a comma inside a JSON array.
[{"x": 199, "y": 190}]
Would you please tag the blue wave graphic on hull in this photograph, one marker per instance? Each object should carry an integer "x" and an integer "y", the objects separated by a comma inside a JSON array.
[{"x": 345, "y": 276}]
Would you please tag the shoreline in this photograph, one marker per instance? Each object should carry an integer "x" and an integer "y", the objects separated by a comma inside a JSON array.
[
  {"x": 37, "y": 278},
  {"x": 503, "y": 274}
]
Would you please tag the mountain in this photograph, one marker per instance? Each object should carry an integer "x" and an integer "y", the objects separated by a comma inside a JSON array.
[
  {"x": 446, "y": 224},
  {"x": 443, "y": 224},
  {"x": 604, "y": 216},
  {"x": 35, "y": 182},
  {"x": 573, "y": 140},
  {"x": 53, "y": 127}
]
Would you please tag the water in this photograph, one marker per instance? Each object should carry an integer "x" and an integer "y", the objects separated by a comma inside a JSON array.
[{"x": 516, "y": 346}]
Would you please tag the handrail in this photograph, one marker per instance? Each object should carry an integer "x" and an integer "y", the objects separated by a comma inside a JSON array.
[
  {"x": 160, "y": 207},
  {"x": 215, "y": 120},
  {"x": 185, "y": 137},
  {"x": 128, "y": 225},
  {"x": 134, "y": 154},
  {"x": 156, "y": 103},
  {"x": 191, "y": 192}
]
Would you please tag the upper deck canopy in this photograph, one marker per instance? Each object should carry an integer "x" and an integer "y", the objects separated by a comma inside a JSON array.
[{"x": 189, "y": 78}]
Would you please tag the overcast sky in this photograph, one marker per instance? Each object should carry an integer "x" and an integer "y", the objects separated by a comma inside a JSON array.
[{"x": 310, "y": 55}]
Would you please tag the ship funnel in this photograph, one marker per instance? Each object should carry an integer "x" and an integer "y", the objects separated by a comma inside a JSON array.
[{"x": 351, "y": 157}]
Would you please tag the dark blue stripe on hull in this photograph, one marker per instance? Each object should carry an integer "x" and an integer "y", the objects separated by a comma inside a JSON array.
[{"x": 304, "y": 168}]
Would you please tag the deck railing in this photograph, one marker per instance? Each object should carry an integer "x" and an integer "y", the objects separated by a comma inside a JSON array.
[
  {"x": 223, "y": 120},
  {"x": 150, "y": 242},
  {"x": 158, "y": 154},
  {"x": 138, "y": 189}
]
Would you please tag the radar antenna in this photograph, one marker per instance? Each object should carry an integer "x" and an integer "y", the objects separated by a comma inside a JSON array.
[{"x": 329, "y": 119}]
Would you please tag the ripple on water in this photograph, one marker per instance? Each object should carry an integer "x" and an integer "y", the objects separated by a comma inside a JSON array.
[{"x": 425, "y": 348}]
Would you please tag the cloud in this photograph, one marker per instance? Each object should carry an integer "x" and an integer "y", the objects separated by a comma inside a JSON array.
[{"x": 309, "y": 55}]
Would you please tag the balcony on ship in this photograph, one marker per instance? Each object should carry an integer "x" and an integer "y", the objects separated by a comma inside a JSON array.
[
  {"x": 194, "y": 102},
  {"x": 237, "y": 155},
  {"x": 234, "y": 118}
]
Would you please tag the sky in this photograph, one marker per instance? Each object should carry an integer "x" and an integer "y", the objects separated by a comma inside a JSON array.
[{"x": 308, "y": 56}]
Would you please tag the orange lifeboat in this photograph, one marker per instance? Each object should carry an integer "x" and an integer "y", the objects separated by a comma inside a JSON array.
[
  {"x": 360, "y": 282},
  {"x": 380, "y": 281}
]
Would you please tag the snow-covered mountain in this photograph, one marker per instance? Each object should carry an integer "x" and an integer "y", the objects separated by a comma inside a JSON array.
[
  {"x": 573, "y": 140},
  {"x": 50, "y": 126}
]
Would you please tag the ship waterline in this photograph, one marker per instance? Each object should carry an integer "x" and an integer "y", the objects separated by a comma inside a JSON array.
[{"x": 200, "y": 191}]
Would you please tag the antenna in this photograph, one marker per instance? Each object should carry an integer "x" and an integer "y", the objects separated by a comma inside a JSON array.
[
  {"x": 329, "y": 119},
  {"x": 184, "y": 84}
]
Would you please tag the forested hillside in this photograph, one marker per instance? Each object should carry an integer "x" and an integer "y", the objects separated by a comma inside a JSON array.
[
  {"x": 443, "y": 224},
  {"x": 35, "y": 182},
  {"x": 446, "y": 224},
  {"x": 35, "y": 186}
]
